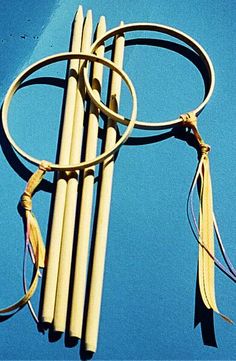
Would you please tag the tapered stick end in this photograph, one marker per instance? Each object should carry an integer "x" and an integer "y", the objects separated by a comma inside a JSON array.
[
  {"x": 87, "y": 30},
  {"x": 79, "y": 14},
  {"x": 101, "y": 26},
  {"x": 89, "y": 15},
  {"x": 102, "y": 21}
]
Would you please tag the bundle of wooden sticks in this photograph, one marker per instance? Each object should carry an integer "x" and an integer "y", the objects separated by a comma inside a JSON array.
[{"x": 58, "y": 272}]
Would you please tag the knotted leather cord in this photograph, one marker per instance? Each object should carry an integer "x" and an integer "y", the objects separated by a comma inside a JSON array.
[
  {"x": 32, "y": 236},
  {"x": 206, "y": 257}
]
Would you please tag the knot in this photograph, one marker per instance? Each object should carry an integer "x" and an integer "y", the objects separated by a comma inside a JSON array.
[
  {"x": 205, "y": 148},
  {"x": 26, "y": 201},
  {"x": 44, "y": 166},
  {"x": 189, "y": 120}
]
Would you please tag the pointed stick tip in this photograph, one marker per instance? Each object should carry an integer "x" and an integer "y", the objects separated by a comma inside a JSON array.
[
  {"x": 102, "y": 20},
  {"x": 89, "y": 14},
  {"x": 79, "y": 13},
  {"x": 88, "y": 20},
  {"x": 101, "y": 26}
]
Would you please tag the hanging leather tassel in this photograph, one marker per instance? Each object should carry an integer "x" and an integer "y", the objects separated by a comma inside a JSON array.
[
  {"x": 33, "y": 236},
  {"x": 206, "y": 263},
  {"x": 206, "y": 258}
]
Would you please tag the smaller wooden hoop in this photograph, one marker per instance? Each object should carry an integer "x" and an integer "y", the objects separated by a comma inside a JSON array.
[{"x": 60, "y": 57}]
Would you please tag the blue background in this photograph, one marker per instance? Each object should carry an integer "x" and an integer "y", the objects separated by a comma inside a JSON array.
[{"x": 149, "y": 289}]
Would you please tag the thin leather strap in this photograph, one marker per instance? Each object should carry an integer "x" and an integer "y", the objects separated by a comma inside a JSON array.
[{"x": 33, "y": 235}]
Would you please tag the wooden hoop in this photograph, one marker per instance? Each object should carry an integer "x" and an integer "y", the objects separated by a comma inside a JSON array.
[
  {"x": 60, "y": 57},
  {"x": 176, "y": 34}
]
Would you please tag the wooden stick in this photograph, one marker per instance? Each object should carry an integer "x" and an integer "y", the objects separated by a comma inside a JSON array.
[
  {"x": 61, "y": 185},
  {"x": 63, "y": 282},
  {"x": 95, "y": 296},
  {"x": 81, "y": 262}
]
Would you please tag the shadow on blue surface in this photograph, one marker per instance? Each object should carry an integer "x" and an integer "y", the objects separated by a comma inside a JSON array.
[
  {"x": 204, "y": 317},
  {"x": 22, "y": 23}
]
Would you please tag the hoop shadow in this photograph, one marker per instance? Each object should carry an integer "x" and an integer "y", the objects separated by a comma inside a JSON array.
[{"x": 205, "y": 318}]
